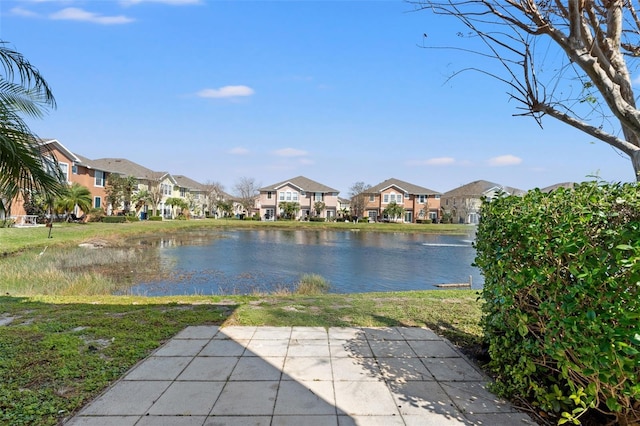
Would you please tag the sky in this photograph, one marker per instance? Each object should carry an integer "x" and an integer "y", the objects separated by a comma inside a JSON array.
[{"x": 337, "y": 91}]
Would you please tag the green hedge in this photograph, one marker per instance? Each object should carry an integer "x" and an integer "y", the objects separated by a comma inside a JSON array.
[
  {"x": 155, "y": 218},
  {"x": 114, "y": 219},
  {"x": 562, "y": 311}
]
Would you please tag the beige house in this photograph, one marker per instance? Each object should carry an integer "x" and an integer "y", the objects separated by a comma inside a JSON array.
[
  {"x": 301, "y": 190},
  {"x": 462, "y": 204},
  {"x": 419, "y": 203}
]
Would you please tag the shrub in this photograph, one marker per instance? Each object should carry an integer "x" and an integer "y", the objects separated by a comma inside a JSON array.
[
  {"x": 155, "y": 218},
  {"x": 562, "y": 277},
  {"x": 317, "y": 219},
  {"x": 312, "y": 284},
  {"x": 114, "y": 219},
  {"x": 132, "y": 218},
  {"x": 95, "y": 215}
]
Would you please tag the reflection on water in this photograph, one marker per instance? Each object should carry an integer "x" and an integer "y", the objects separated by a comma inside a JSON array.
[{"x": 243, "y": 261}]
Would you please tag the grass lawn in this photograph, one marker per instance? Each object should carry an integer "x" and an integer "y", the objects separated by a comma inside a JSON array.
[{"x": 59, "y": 352}]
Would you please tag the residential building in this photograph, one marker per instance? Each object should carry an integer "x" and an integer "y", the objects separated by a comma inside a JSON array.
[
  {"x": 301, "y": 190},
  {"x": 462, "y": 204},
  {"x": 194, "y": 193},
  {"x": 419, "y": 203},
  {"x": 91, "y": 176}
]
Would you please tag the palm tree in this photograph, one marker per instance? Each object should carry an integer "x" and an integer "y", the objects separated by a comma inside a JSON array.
[
  {"x": 393, "y": 211},
  {"x": 75, "y": 195},
  {"x": 25, "y": 165}
]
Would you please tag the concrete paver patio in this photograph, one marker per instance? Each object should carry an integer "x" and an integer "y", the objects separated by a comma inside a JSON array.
[{"x": 278, "y": 376}]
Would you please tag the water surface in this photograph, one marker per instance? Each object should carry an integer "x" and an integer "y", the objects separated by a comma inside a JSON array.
[{"x": 243, "y": 261}]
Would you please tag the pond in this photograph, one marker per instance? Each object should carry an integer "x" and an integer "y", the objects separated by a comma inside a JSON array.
[{"x": 246, "y": 261}]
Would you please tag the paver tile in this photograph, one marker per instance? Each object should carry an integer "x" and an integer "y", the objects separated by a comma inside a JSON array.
[
  {"x": 452, "y": 369},
  {"x": 423, "y": 399},
  {"x": 415, "y": 333},
  {"x": 313, "y": 348},
  {"x": 272, "y": 333},
  {"x": 370, "y": 421},
  {"x": 238, "y": 421},
  {"x": 159, "y": 368},
  {"x": 267, "y": 348},
  {"x": 473, "y": 397},
  {"x": 324, "y": 420},
  {"x": 127, "y": 398},
  {"x": 198, "y": 332},
  {"x": 236, "y": 332},
  {"x": 103, "y": 421},
  {"x": 404, "y": 369},
  {"x": 395, "y": 349},
  {"x": 345, "y": 333},
  {"x": 433, "y": 349},
  {"x": 187, "y": 399},
  {"x": 223, "y": 348},
  {"x": 209, "y": 368},
  {"x": 350, "y": 348},
  {"x": 305, "y": 398},
  {"x": 181, "y": 347},
  {"x": 356, "y": 369},
  {"x": 172, "y": 421},
  {"x": 309, "y": 333},
  {"x": 247, "y": 398},
  {"x": 500, "y": 419},
  {"x": 307, "y": 368},
  {"x": 364, "y": 398},
  {"x": 258, "y": 368},
  {"x": 384, "y": 333}
]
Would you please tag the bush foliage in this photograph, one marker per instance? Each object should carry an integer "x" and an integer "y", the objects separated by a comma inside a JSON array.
[
  {"x": 562, "y": 311},
  {"x": 114, "y": 219}
]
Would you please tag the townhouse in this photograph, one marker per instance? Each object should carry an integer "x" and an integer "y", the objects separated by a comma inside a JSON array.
[
  {"x": 462, "y": 204},
  {"x": 313, "y": 199},
  {"x": 419, "y": 203}
]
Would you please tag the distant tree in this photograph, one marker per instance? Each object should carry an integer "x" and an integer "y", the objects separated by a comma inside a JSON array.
[
  {"x": 358, "y": 194},
  {"x": 246, "y": 190},
  {"x": 155, "y": 196},
  {"x": 319, "y": 207},
  {"x": 119, "y": 190},
  {"x": 226, "y": 207},
  {"x": 176, "y": 203},
  {"x": 571, "y": 60},
  {"x": 289, "y": 209},
  {"x": 394, "y": 211},
  {"x": 26, "y": 166},
  {"x": 214, "y": 194},
  {"x": 74, "y": 195},
  {"x": 141, "y": 199}
]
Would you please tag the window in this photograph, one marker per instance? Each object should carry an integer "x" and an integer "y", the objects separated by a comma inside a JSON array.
[
  {"x": 392, "y": 198},
  {"x": 183, "y": 192},
  {"x": 97, "y": 202},
  {"x": 295, "y": 196},
  {"x": 99, "y": 178},
  {"x": 288, "y": 196},
  {"x": 399, "y": 199},
  {"x": 166, "y": 189},
  {"x": 385, "y": 198},
  {"x": 422, "y": 199},
  {"x": 269, "y": 194},
  {"x": 371, "y": 198},
  {"x": 64, "y": 169},
  {"x": 74, "y": 169},
  {"x": 318, "y": 196},
  {"x": 281, "y": 196}
]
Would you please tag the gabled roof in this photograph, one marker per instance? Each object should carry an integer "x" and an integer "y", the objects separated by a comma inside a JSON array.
[
  {"x": 479, "y": 188},
  {"x": 302, "y": 183},
  {"x": 406, "y": 187},
  {"x": 185, "y": 182},
  {"x": 86, "y": 162},
  {"x": 49, "y": 143},
  {"x": 129, "y": 168},
  {"x": 568, "y": 185}
]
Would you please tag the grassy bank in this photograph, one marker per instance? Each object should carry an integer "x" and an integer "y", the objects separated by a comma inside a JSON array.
[{"x": 57, "y": 353}]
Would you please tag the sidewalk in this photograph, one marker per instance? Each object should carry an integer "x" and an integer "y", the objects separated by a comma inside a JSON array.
[{"x": 208, "y": 375}]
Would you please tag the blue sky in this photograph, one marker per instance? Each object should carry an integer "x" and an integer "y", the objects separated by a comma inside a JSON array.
[{"x": 337, "y": 91}]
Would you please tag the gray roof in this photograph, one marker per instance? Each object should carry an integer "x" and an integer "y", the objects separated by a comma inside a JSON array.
[
  {"x": 478, "y": 188},
  {"x": 84, "y": 161},
  {"x": 127, "y": 167},
  {"x": 568, "y": 185},
  {"x": 305, "y": 184},
  {"x": 185, "y": 182},
  {"x": 400, "y": 184}
]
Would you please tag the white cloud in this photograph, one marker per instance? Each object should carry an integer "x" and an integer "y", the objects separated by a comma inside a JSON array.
[
  {"x": 226, "y": 92},
  {"x": 239, "y": 151},
  {"x": 505, "y": 160},
  {"x": 76, "y": 14},
  {"x": 18, "y": 11},
  {"x": 437, "y": 161},
  {"x": 290, "y": 152}
]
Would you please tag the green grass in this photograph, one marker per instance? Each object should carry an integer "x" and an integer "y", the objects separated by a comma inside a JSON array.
[{"x": 60, "y": 352}]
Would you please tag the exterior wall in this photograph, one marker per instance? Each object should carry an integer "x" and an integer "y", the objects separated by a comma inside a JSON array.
[
  {"x": 87, "y": 178},
  {"x": 415, "y": 207}
]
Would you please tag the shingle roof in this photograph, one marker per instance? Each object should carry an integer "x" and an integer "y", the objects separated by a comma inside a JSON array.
[
  {"x": 305, "y": 184},
  {"x": 478, "y": 188},
  {"x": 405, "y": 186},
  {"x": 127, "y": 168},
  {"x": 568, "y": 185},
  {"x": 189, "y": 183}
]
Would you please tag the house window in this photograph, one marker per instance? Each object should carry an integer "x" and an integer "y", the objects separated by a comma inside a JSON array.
[
  {"x": 281, "y": 196},
  {"x": 295, "y": 196},
  {"x": 437, "y": 197},
  {"x": 97, "y": 202},
  {"x": 385, "y": 198},
  {"x": 64, "y": 169},
  {"x": 269, "y": 194},
  {"x": 99, "y": 178},
  {"x": 371, "y": 198},
  {"x": 399, "y": 199},
  {"x": 288, "y": 196},
  {"x": 318, "y": 196},
  {"x": 422, "y": 199},
  {"x": 74, "y": 169},
  {"x": 183, "y": 192}
]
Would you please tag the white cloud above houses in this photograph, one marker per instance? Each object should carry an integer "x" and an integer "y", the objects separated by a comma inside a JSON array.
[
  {"x": 290, "y": 152},
  {"x": 226, "y": 92},
  {"x": 239, "y": 151},
  {"x": 77, "y": 14},
  {"x": 504, "y": 160}
]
